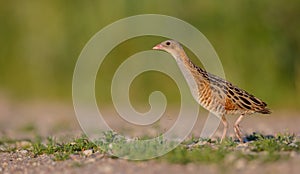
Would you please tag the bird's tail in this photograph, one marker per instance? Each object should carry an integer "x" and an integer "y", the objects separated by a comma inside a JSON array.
[{"x": 265, "y": 111}]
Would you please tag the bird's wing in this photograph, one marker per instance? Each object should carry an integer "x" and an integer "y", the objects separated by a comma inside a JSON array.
[{"x": 235, "y": 98}]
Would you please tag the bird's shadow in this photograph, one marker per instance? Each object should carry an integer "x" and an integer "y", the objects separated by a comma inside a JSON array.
[
  {"x": 255, "y": 137},
  {"x": 246, "y": 139}
]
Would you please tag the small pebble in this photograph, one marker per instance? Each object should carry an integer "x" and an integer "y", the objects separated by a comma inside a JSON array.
[
  {"x": 202, "y": 143},
  {"x": 4, "y": 164},
  {"x": 110, "y": 145},
  {"x": 74, "y": 157},
  {"x": 23, "y": 151},
  {"x": 242, "y": 146},
  {"x": 293, "y": 145},
  {"x": 88, "y": 152},
  {"x": 2, "y": 148}
]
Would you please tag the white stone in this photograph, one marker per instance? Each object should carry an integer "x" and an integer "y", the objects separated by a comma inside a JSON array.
[{"x": 88, "y": 152}]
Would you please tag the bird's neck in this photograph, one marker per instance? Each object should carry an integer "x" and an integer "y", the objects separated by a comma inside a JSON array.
[{"x": 196, "y": 71}]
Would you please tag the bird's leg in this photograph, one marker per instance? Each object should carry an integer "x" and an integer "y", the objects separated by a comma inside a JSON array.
[
  {"x": 225, "y": 123},
  {"x": 237, "y": 129}
]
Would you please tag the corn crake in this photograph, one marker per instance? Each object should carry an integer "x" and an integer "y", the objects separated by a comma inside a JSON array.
[{"x": 216, "y": 94}]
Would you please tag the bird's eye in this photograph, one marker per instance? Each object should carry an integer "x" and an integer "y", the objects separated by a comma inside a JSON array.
[{"x": 168, "y": 43}]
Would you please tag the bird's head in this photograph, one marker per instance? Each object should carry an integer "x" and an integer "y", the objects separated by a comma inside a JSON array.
[{"x": 170, "y": 46}]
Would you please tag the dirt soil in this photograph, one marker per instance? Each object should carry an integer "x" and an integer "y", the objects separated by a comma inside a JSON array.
[{"x": 25, "y": 120}]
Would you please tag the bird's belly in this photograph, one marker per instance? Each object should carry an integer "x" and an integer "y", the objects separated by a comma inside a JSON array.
[
  {"x": 219, "y": 109},
  {"x": 213, "y": 105}
]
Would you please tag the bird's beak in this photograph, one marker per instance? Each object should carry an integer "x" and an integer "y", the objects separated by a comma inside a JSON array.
[{"x": 158, "y": 47}]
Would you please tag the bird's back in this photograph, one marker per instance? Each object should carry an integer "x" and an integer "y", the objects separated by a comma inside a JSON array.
[{"x": 222, "y": 97}]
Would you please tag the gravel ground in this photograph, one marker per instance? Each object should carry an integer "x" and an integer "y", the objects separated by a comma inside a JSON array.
[
  {"x": 22, "y": 162},
  {"x": 25, "y": 120}
]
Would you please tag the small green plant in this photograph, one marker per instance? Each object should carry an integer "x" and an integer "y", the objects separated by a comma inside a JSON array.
[
  {"x": 38, "y": 147},
  {"x": 7, "y": 144},
  {"x": 281, "y": 142},
  {"x": 138, "y": 148},
  {"x": 62, "y": 151},
  {"x": 265, "y": 149},
  {"x": 262, "y": 148}
]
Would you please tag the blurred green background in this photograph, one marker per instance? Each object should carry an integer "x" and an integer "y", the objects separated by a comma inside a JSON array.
[{"x": 258, "y": 43}]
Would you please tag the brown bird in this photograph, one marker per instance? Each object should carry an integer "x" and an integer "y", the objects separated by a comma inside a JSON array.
[{"x": 216, "y": 94}]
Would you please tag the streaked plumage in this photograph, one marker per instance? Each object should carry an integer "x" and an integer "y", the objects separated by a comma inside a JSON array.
[{"x": 216, "y": 94}]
